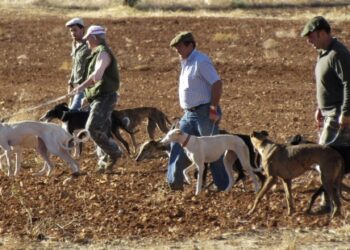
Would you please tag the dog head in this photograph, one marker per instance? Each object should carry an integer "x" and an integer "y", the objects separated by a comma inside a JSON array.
[
  {"x": 173, "y": 135},
  {"x": 151, "y": 150},
  {"x": 258, "y": 138},
  {"x": 56, "y": 112}
]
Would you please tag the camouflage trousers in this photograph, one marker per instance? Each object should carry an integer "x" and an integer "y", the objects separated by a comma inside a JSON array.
[{"x": 99, "y": 126}]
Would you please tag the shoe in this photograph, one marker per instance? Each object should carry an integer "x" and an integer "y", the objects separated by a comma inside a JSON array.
[
  {"x": 176, "y": 187},
  {"x": 213, "y": 188},
  {"x": 323, "y": 209},
  {"x": 110, "y": 164}
]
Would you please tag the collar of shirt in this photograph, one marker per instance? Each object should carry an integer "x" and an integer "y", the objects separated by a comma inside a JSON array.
[
  {"x": 189, "y": 58},
  {"x": 324, "y": 52}
]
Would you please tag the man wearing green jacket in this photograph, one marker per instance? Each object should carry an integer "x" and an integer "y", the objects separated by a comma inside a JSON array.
[{"x": 100, "y": 91}]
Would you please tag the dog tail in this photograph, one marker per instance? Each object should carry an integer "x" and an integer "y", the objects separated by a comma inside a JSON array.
[{"x": 82, "y": 136}]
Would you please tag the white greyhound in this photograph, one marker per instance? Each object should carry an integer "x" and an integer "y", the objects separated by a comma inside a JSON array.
[
  {"x": 207, "y": 149},
  {"x": 45, "y": 137}
]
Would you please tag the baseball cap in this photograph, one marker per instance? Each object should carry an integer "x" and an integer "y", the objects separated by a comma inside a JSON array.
[
  {"x": 184, "y": 36},
  {"x": 95, "y": 30},
  {"x": 316, "y": 23},
  {"x": 75, "y": 21}
]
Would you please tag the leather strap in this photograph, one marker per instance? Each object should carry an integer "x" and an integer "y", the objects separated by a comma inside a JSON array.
[{"x": 186, "y": 141}]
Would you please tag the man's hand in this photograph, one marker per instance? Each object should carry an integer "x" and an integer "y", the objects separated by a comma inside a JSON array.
[
  {"x": 213, "y": 114},
  {"x": 84, "y": 104},
  {"x": 319, "y": 118},
  {"x": 75, "y": 91}
]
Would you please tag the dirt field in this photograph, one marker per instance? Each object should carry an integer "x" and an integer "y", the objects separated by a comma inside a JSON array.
[{"x": 268, "y": 74}]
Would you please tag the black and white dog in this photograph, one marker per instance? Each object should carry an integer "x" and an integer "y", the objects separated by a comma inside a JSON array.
[{"x": 76, "y": 119}]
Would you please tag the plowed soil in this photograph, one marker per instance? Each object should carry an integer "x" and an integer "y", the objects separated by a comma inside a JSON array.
[{"x": 267, "y": 71}]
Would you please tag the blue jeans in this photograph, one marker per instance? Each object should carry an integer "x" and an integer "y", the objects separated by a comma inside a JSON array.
[
  {"x": 194, "y": 123},
  {"x": 76, "y": 102}
]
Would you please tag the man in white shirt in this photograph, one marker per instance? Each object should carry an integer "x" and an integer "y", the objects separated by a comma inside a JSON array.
[{"x": 200, "y": 89}]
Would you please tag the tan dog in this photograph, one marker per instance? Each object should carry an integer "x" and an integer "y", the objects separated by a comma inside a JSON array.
[
  {"x": 136, "y": 116},
  {"x": 289, "y": 162},
  {"x": 152, "y": 149}
]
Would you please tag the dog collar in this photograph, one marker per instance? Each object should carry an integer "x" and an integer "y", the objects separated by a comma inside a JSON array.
[
  {"x": 186, "y": 141},
  {"x": 63, "y": 116}
]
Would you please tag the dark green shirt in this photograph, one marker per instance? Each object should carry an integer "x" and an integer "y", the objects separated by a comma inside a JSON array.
[
  {"x": 110, "y": 78},
  {"x": 333, "y": 80},
  {"x": 79, "y": 55}
]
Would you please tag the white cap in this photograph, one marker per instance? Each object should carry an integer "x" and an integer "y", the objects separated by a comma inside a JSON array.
[
  {"x": 95, "y": 30},
  {"x": 75, "y": 21}
]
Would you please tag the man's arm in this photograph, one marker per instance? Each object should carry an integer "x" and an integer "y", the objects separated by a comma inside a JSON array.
[
  {"x": 342, "y": 65},
  {"x": 102, "y": 63},
  {"x": 216, "y": 92}
]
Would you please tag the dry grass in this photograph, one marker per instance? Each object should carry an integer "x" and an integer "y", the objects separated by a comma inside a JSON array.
[
  {"x": 302, "y": 9},
  {"x": 225, "y": 37}
]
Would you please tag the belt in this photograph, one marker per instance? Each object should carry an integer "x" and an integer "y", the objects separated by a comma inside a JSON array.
[{"x": 193, "y": 109}]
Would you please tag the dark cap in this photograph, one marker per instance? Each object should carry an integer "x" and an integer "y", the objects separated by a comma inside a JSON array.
[
  {"x": 184, "y": 36},
  {"x": 316, "y": 23}
]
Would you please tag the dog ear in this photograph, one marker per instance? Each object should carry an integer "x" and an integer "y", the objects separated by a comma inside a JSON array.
[{"x": 295, "y": 140}]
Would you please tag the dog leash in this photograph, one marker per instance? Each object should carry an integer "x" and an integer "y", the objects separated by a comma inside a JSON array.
[
  {"x": 35, "y": 107},
  {"x": 212, "y": 129}
]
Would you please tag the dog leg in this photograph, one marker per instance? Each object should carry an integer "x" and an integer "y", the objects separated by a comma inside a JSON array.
[
  {"x": 2, "y": 158},
  {"x": 313, "y": 198},
  {"x": 48, "y": 165},
  {"x": 186, "y": 171},
  {"x": 288, "y": 193},
  {"x": 9, "y": 162},
  {"x": 333, "y": 197},
  {"x": 151, "y": 129},
  {"x": 229, "y": 158},
  {"x": 270, "y": 180},
  {"x": 200, "y": 168},
  {"x": 132, "y": 136},
  {"x": 243, "y": 157},
  {"x": 63, "y": 154},
  {"x": 336, "y": 195},
  {"x": 18, "y": 161}
]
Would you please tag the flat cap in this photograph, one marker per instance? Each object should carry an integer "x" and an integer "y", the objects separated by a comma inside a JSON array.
[
  {"x": 75, "y": 21},
  {"x": 184, "y": 36},
  {"x": 316, "y": 23}
]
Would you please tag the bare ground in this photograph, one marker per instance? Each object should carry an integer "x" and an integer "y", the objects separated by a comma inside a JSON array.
[{"x": 268, "y": 73}]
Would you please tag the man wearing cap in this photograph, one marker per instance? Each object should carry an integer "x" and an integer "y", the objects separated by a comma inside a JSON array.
[
  {"x": 332, "y": 73},
  {"x": 100, "y": 88},
  {"x": 200, "y": 89},
  {"x": 80, "y": 52}
]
